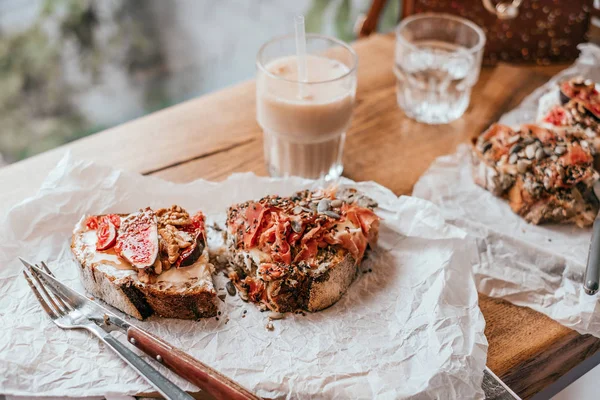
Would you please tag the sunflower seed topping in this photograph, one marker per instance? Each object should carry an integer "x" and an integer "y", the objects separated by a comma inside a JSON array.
[
  {"x": 230, "y": 288},
  {"x": 324, "y": 205},
  {"x": 522, "y": 165}
]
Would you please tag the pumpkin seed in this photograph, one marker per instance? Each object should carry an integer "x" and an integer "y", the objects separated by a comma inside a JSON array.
[
  {"x": 336, "y": 203},
  {"x": 530, "y": 151},
  {"x": 332, "y": 214},
  {"x": 297, "y": 210},
  {"x": 559, "y": 150},
  {"x": 296, "y": 226},
  {"x": 539, "y": 154},
  {"x": 522, "y": 165},
  {"x": 324, "y": 205},
  {"x": 513, "y": 159}
]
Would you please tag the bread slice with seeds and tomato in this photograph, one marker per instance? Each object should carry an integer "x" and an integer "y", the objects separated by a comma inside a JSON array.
[
  {"x": 546, "y": 169},
  {"x": 545, "y": 174},
  {"x": 148, "y": 262},
  {"x": 300, "y": 252}
]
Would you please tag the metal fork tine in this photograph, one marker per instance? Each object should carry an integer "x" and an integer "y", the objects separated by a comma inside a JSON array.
[
  {"x": 47, "y": 269},
  {"x": 66, "y": 307},
  {"x": 58, "y": 309},
  {"x": 39, "y": 297}
]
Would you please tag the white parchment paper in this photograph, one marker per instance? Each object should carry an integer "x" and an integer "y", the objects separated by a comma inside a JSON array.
[
  {"x": 540, "y": 267},
  {"x": 411, "y": 328}
]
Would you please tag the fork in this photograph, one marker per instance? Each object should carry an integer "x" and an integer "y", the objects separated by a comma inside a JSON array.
[{"x": 66, "y": 316}]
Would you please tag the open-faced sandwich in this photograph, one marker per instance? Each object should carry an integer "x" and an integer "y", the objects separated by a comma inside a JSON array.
[
  {"x": 147, "y": 262},
  {"x": 546, "y": 170},
  {"x": 546, "y": 174},
  {"x": 300, "y": 252}
]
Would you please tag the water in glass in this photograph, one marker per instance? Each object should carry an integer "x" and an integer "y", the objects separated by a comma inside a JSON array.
[{"x": 433, "y": 84}]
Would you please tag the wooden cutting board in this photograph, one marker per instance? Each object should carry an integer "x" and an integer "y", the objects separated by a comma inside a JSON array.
[{"x": 215, "y": 135}]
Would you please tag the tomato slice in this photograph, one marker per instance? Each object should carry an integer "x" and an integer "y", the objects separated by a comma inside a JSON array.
[{"x": 106, "y": 233}]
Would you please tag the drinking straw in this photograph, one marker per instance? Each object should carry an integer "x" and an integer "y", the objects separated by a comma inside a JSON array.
[{"x": 301, "y": 52}]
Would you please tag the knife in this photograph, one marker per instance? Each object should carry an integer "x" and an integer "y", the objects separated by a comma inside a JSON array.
[{"x": 592, "y": 270}]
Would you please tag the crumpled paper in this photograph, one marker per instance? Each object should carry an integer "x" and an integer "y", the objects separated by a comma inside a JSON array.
[
  {"x": 411, "y": 328},
  {"x": 540, "y": 267}
]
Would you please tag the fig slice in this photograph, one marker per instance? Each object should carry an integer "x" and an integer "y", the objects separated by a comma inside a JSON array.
[
  {"x": 190, "y": 255},
  {"x": 137, "y": 239},
  {"x": 106, "y": 232}
]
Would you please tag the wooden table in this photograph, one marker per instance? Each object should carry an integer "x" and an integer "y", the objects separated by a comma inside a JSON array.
[{"x": 215, "y": 135}]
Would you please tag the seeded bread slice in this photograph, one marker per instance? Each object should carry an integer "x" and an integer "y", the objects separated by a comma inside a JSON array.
[
  {"x": 546, "y": 174},
  {"x": 188, "y": 295},
  {"x": 302, "y": 288}
]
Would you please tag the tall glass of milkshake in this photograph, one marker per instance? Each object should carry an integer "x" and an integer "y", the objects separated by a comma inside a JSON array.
[{"x": 305, "y": 114}]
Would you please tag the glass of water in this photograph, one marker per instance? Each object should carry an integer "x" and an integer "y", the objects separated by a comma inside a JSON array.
[{"x": 437, "y": 62}]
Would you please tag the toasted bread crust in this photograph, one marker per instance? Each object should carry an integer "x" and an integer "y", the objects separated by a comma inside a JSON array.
[
  {"x": 326, "y": 289},
  {"x": 141, "y": 300}
]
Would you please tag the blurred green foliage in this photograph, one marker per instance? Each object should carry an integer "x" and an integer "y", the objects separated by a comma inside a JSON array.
[
  {"x": 36, "y": 100},
  {"x": 345, "y": 14}
]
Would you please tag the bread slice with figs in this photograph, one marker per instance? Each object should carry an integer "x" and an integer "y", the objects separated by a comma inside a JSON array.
[
  {"x": 545, "y": 174},
  {"x": 148, "y": 262},
  {"x": 300, "y": 252}
]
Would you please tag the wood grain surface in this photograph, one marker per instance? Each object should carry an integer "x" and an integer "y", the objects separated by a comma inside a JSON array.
[{"x": 215, "y": 135}]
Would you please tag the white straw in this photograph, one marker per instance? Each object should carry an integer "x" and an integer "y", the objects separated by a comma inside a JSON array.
[{"x": 301, "y": 51}]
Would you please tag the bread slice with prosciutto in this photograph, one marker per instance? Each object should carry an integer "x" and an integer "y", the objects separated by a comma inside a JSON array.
[
  {"x": 147, "y": 262},
  {"x": 300, "y": 252}
]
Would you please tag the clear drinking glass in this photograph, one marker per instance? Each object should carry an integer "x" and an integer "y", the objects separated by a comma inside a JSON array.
[
  {"x": 305, "y": 123},
  {"x": 437, "y": 62}
]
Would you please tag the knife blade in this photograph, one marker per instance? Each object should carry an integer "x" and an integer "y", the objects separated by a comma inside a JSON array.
[
  {"x": 592, "y": 269},
  {"x": 495, "y": 389}
]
